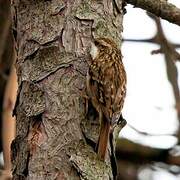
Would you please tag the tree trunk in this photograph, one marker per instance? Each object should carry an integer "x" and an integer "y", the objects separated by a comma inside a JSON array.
[{"x": 54, "y": 138}]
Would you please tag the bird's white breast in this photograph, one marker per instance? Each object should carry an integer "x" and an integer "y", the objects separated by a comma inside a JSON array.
[{"x": 94, "y": 51}]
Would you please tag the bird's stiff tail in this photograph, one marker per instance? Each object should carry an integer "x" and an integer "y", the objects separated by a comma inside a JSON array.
[{"x": 103, "y": 139}]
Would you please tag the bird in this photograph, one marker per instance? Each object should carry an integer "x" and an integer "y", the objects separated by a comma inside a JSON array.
[{"x": 106, "y": 87}]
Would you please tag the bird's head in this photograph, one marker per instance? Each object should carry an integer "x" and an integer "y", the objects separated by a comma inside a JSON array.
[{"x": 100, "y": 44}]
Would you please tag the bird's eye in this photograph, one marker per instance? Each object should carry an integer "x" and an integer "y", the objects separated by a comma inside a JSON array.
[{"x": 96, "y": 43}]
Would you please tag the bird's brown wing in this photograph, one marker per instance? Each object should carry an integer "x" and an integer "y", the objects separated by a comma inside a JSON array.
[
  {"x": 95, "y": 86},
  {"x": 105, "y": 86},
  {"x": 108, "y": 91},
  {"x": 120, "y": 83},
  {"x": 92, "y": 85}
]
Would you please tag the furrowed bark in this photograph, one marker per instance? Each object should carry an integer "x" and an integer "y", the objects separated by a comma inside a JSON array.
[{"x": 54, "y": 139}]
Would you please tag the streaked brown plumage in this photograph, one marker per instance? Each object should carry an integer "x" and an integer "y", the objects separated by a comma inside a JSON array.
[{"x": 106, "y": 87}]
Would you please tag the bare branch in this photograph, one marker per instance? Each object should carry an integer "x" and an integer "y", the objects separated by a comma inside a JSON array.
[
  {"x": 159, "y": 8},
  {"x": 138, "y": 153},
  {"x": 150, "y": 40},
  {"x": 143, "y": 133}
]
